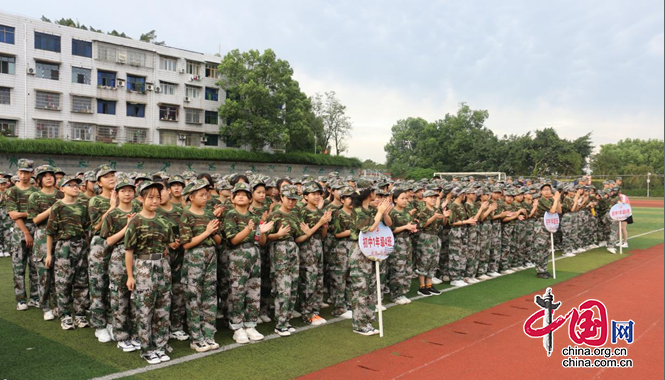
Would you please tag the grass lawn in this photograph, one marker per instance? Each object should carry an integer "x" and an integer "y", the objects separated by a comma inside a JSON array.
[{"x": 35, "y": 349}]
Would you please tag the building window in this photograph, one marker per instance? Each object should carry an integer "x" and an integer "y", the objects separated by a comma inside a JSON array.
[
  {"x": 5, "y": 95},
  {"x": 8, "y": 128},
  {"x": 105, "y": 78},
  {"x": 106, "y": 107},
  {"x": 106, "y": 53},
  {"x": 193, "y": 92},
  {"x": 47, "y": 100},
  {"x": 7, "y": 64},
  {"x": 106, "y": 134},
  {"x": 81, "y": 75},
  {"x": 135, "y": 109},
  {"x": 193, "y": 139},
  {"x": 168, "y": 138},
  {"x": 168, "y": 88},
  {"x": 7, "y": 34},
  {"x": 168, "y": 64},
  {"x": 136, "y": 58},
  {"x": 81, "y": 104},
  {"x": 212, "y": 94},
  {"x": 193, "y": 68},
  {"x": 48, "y": 42},
  {"x": 192, "y": 116},
  {"x": 47, "y": 129},
  {"x": 48, "y": 70},
  {"x": 211, "y": 140},
  {"x": 168, "y": 112},
  {"x": 136, "y": 135},
  {"x": 82, "y": 48},
  {"x": 211, "y": 117},
  {"x": 135, "y": 83},
  {"x": 82, "y": 132},
  {"x": 211, "y": 70}
]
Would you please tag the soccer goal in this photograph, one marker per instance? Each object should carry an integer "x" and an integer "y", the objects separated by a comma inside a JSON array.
[{"x": 499, "y": 176}]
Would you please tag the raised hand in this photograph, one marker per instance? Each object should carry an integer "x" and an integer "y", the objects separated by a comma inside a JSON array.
[
  {"x": 212, "y": 226},
  {"x": 265, "y": 227}
]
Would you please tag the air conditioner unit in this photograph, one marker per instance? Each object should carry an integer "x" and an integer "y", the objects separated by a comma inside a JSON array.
[
  {"x": 182, "y": 71},
  {"x": 122, "y": 58},
  {"x": 182, "y": 136},
  {"x": 187, "y": 99},
  {"x": 121, "y": 83},
  {"x": 149, "y": 87},
  {"x": 31, "y": 71},
  {"x": 158, "y": 89}
]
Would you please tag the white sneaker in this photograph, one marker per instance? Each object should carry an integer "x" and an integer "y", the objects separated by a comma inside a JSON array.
[
  {"x": 510, "y": 271},
  {"x": 48, "y": 315},
  {"x": 179, "y": 335},
  {"x": 504, "y": 272},
  {"x": 612, "y": 250},
  {"x": 521, "y": 267},
  {"x": 162, "y": 356},
  {"x": 295, "y": 314},
  {"x": 81, "y": 322},
  {"x": 530, "y": 265},
  {"x": 109, "y": 328},
  {"x": 401, "y": 301},
  {"x": 472, "y": 281},
  {"x": 602, "y": 244},
  {"x": 265, "y": 318},
  {"x": 67, "y": 323},
  {"x": 624, "y": 245},
  {"x": 21, "y": 306},
  {"x": 436, "y": 280},
  {"x": 458, "y": 283},
  {"x": 569, "y": 254},
  {"x": 494, "y": 274},
  {"x": 103, "y": 335},
  {"x": 253, "y": 335},
  {"x": 383, "y": 308},
  {"x": 152, "y": 359},
  {"x": 324, "y": 305},
  {"x": 212, "y": 345},
  {"x": 484, "y": 277},
  {"x": 347, "y": 315},
  {"x": 199, "y": 346},
  {"x": 126, "y": 346},
  {"x": 240, "y": 336},
  {"x": 219, "y": 315}
]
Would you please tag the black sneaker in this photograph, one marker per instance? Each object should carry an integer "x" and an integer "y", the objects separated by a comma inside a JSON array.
[
  {"x": 423, "y": 291},
  {"x": 433, "y": 291},
  {"x": 283, "y": 332},
  {"x": 544, "y": 275}
]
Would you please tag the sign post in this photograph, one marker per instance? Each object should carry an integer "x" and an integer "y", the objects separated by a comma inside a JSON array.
[
  {"x": 376, "y": 245},
  {"x": 620, "y": 212},
  {"x": 552, "y": 225}
]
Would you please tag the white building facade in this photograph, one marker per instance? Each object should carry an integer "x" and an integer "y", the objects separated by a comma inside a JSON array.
[{"x": 71, "y": 84}]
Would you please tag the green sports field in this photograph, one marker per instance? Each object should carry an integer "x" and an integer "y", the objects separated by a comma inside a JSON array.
[{"x": 31, "y": 348}]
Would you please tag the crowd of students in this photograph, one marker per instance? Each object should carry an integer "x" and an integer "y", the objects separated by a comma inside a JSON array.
[{"x": 147, "y": 258}]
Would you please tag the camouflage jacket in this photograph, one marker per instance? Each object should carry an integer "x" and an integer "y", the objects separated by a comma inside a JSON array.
[
  {"x": 400, "y": 218},
  {"x": 341, "y": 221},
  {"x": 458, "y": 213},
  {"x": 66, "y": 222},
  {"x": 114, "y": 221},
  {"x": 17, "y": 199},
  {"x": 38, "y": 203},
  {"x": 281, "y": 219},
  {"x": 234, "y": 222},
  {"x": 192, "y": 225},
  {"x": 148, "y": 235},
  {"x": 544, "y": 205},
  {"x": 567, "y": 204},
  {"x": 423, "y": 216},
  {"x": 172, "y": 218},
  {"x": 310, "y": 218},
  {"x": 97, "y": 206},
  {"x": 361, "y": 220},
  {"x": 472, "y": 209}
]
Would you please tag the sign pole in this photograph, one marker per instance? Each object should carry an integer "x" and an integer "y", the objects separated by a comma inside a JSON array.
[
  {"x": 553, "y": 261},
  {"x": 620, "y": 239},
  {"x": 378, "y": 297}
]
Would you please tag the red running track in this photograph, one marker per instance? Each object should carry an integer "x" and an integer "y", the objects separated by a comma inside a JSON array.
[
  {"x": 647, "y": 203},
  {"x": 492, "y": 345}
]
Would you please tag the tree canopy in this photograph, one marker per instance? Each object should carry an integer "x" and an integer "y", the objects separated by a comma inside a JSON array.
[{"x": 629, "y": 156}]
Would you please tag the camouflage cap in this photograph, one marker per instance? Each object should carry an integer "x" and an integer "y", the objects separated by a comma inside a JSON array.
[
  {"x": 544, "y": 184},
  {"x": 616, "y": 188},
  {"x": 194, "y": 186},
  {"x": 307, "y": 178},
  {"x": 310, "y": 187},
  {"x": 536, "y": 195},
  {"x": 429, "y": 193},
  {"x": 335, "y": 185},
  {"x": 350, "y": 179},
  {"x": 43, "y": 169},
  {"x": 447, "y": 188},
  {"x": 290, "y": 191},
  {"x": 188, "y": 173},
  {"x": 223, "y": 184},
  {"x": 618, "y": 179},
  {"x": 241, "y": 186},
  {"x": 89, "y": 176},
  {"x": 347, "y": 191},
  {"x": 57, "y": 170},
  {"x": 25, "y": 165},
  {"x": 176, "y": 178},
  {"x": 103, "y": 170},
  {"x": 160, "y": 174},
  {"x": 271, "y": 183},
  {"x": 123, "y": 181},
  {"x": 67, "y": 179},
  {"x": 522, "y": 190},
  {"x": 363, "y": 184},
  {"x": 142, "y": 176},
  {"x": 148, "y": 183},
  {"x": 255, "y": 183},
  {"x": 333, "y": 174},
  {"x": 297, "y": 181},
  {"x": 14, "y": 178},
  {"x": 322, "y": 178},
  {"x": 3, "y": 180},
  {"x": 497, "y": 189},
  {"x": 458, "y": 190}
]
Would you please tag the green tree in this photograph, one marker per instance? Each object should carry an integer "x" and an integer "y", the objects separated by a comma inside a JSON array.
[
  {"x": 336, "y": 124},
  {"x": 629, "y": 156},
  {"x": 151, "y": 37},
  {"x": 264, "y": 103}
]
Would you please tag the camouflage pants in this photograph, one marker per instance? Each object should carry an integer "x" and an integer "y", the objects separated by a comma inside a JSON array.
[
  {"x": 98, "y": 266},
  {"x": 484, "y": 244},
  {"x": 427, "y": 255},
  {"x": 508, "y": 245},
  {"x": 613, "y": 238},
  {"x": 397, "y": 280},
  {"x": 567, "y": 231},
  {"x": 152, "y": 303},
  {"x": 473, "y": 251},
  {"x": 541, "y": 244},
  {"x": 121, "y": 310},
  {"x": 605, "y": 228},
  {"x": 495, "y": 246},
  {"x": 530, "y": 238},
  {"x": 284, "y": 267},
  {"x": 410, "y": 262},
  {"x": 46, "y": 276},
  {"x": 329, "y": 243},
  {"x": 245, "y": 294},
  {"x": 6, "y": 228},
  {"x": 176, "y": 258},
  {"x": 360, "y": 269},
  {"x": 71, "y": 276},
  {"x": 339, "y": 276},
  {"x": 311, "y": 277},
  {"x": 201, "y": 291},
  {"x": 266, "y": 283},
  {"x": 444, "y": 259},
  {"x": 521, "y": 231},
  {"x": 222, "y": 280},
  {"x": 458, "y": 252},
  {"x": 20, "y": 259}
]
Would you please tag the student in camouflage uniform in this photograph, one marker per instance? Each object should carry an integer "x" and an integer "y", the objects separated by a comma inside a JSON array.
[
  {"x": 39, "y": 208},
  {"x": 485, "y": 233},
  {"x": 333, "y": 205},
  {"x": 613, "y": 238},
  {"x": 429, "y": 245},
  {"x": 6, "y": 223},
  {"x": 569, "y": 212},
  {"x": 444, "y": 258},
  {"x": 98, "y": 259},
  {"x": 149, "y": 275},
  {"x": 199, "y": 233},
  {"x": 310, "y": 249},
  {"x": 244, "y": 233},
  {"x": 459, "y": 220},
  {"x": 495, "y": 244},
  {"x": 67, "y": 225},
  {"x": 17, "y": 209},
  {"x": 519, "y": 260},
  {"x": 224, "y": 188},
  {"x": 284, "y": 258},
  {"x": 339, "y": 257},
  {"x": 113, "y": 230},
  {"x": 474, "y": 211},
  {"x": 546, "y": 203},
  {"x": 261, "y": 207},
  {"x": 402, "y": 226},
  {"x": 508, "y": 238}
]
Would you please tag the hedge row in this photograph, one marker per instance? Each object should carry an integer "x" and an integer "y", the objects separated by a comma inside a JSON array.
[{"x": 76, "y": 148}]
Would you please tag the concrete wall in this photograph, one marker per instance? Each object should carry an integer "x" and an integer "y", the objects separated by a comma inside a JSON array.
[{"x": 73, "y": 164}]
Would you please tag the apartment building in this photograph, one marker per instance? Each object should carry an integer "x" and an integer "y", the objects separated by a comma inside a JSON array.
[{"x": 66, "y": 83}]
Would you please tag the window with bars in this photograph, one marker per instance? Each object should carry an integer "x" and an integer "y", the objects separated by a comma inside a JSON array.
[
  {"x": 211, "y": 70},
  {"x": 193, "y": 92},
  {"x": 193, "y": 139},
  {"x": 135, "y": 109},
  {"x": 135, "y": 83},
  {"x": 7, "y": 64},
  {"x": 7, "y": 34},
  {"x": 168, "y": 112},
  {"x": 8, "y": 128},
  {"x": 106, "y": 134},
  {"x": 193, "y": 68},
  {"x": 48, "y": 42},
  {"x": 5, "y": 95},
  {"x": 168, "y": 64},
  {"x": 81, "y": 104},
  {"x": 106, "y": 106},
  {"x": 106, "y": 53},
  {"x": 81, "y": 75},
  {"x": 48, "y": 70},
  {"x": 47, "y": 129},
  {"x": 136, "y": 135},
  {"x": 105, "y": 78},
  {"x": 212, "y": 94},
  {"x": 211, "y": 140},
  {"x": 135, "y": 58},
  {"x": 192, "y": 116},
  {"x": 47, "y": 100},
  {"x": 82, "y": 48},
  {"x": 168, "y": 138},
  {"x": 211, "y": 117},
  {"x": 82, "y": 132},
  {"x": 167, "y": 88}
]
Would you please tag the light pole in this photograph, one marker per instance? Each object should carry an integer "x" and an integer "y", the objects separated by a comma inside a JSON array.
[
  {"x": 648, "y": 183},
  {"x": 315, "y": 143}
]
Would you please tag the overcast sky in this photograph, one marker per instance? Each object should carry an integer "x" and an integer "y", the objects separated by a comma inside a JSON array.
[{"x": 577, "y": 66}]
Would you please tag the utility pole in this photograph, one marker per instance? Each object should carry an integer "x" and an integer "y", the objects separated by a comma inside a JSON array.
[
  {"x": 648, "y": 183},
  {"x": 315, "y": 143}
]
